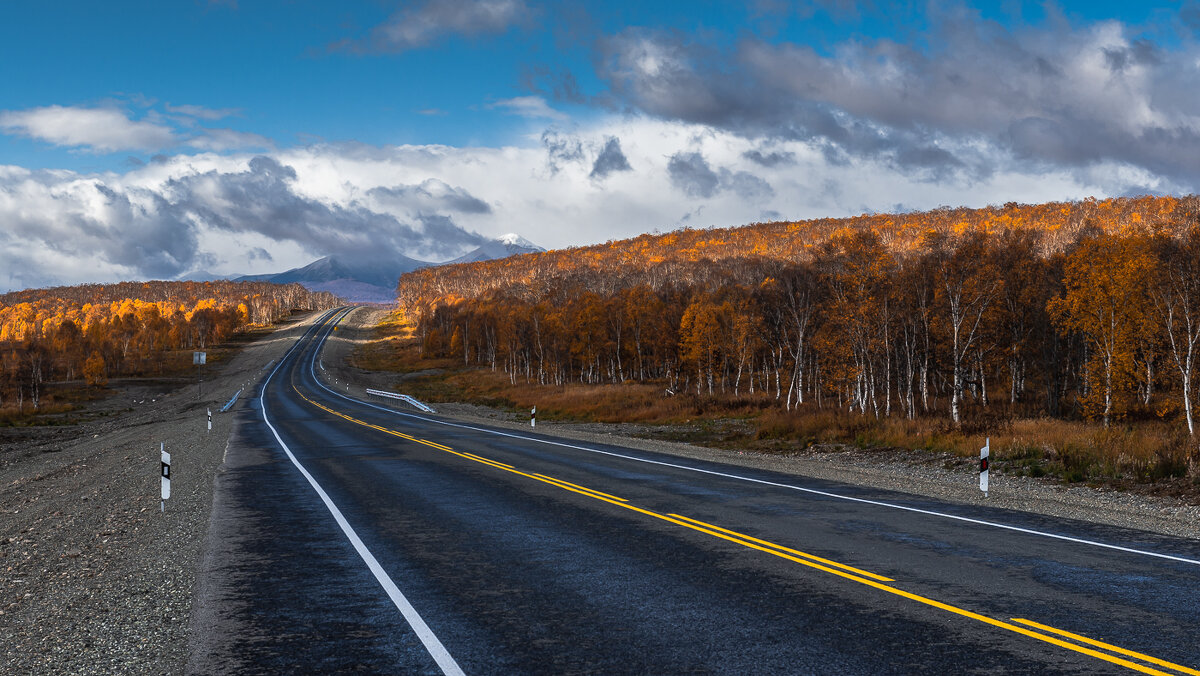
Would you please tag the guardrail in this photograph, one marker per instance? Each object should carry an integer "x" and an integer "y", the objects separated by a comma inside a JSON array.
[
  {"x": 229, "y": 404},
  {"x": 402, "y": 397}
]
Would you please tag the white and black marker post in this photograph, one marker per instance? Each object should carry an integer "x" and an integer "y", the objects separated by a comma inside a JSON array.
[
  {"x": 209, "y": 419},
  {"x": 166, "y": 476},
  {"x": 533, "y": 417},
  {"x": 983, "y": 466}
]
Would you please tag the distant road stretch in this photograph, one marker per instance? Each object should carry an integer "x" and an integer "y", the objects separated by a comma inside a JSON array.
[{"x": 350, "y": 537}]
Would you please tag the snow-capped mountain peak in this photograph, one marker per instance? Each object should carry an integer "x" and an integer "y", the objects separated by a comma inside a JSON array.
[{"x": 513, "y": 239}]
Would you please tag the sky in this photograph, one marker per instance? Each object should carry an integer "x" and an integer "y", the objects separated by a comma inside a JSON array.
[{"x": 166, "y": 140}]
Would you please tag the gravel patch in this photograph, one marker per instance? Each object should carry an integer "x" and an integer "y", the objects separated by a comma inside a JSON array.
[{"x": 94, "y": 578}]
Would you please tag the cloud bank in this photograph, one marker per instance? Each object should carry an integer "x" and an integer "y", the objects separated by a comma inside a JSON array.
[{"x": 978, "y": 98}]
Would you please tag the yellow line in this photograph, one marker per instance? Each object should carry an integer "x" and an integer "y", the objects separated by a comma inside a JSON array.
[
  {"x": 482, "y": 459},
  {"x": 1107, "y": 646},
  {"x": 485, "y": 461},
  {"x": 812, "y": 562},
  {"x": 843, "y": 566},
  {"x": 590, "y": 490}
]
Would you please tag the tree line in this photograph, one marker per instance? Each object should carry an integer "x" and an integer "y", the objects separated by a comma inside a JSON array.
[
  {"x": 96, "y": 331},
  {"x": 959, "y": 313}
]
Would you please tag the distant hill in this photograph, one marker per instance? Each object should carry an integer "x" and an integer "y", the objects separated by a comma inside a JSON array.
[
  {"x": 688, "y": 254},
  {"x": 373, "y": 280}
]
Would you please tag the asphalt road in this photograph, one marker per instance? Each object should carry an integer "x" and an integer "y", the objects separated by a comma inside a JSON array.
[{"x": 456, "y": 547}]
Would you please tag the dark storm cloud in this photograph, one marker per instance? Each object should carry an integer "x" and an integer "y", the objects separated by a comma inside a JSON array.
[
  {"x": 1059, "y": 95},
  {"x": 424, "y": 24},
  {"x": 431, "y": 195},
  {"x": 610, "y": 159}
]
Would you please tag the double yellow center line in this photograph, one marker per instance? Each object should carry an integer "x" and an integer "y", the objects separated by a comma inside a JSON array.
[{"x": 1064, "y": 639}]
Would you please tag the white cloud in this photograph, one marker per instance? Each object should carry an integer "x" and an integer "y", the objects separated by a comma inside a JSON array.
[
  {"x": 97, "y": 129},
  {"x": 201, "y": 112},
  {"x": 205, "y": 211},
  {"x": 228, "y": 139},
  {"x": 419, "y": 26},
  {"x": 534, "y": 107}
]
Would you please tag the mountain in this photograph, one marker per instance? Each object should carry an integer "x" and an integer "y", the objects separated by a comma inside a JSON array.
[
  {"x": 374, "y": 280},
  {"x": 370, "y": 281},
  {"x": 501, "y": 247}
]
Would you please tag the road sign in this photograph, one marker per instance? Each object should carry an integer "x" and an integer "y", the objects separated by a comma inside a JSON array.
[
  {"x": 166, "y": 475},
  {"x": 983, "y": 466},
  {"x": 199, "y": 358}
]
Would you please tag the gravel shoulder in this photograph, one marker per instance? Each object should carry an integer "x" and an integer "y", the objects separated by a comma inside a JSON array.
[
  {"x": 94, "y": 578},
  {"x": 937, "y": 475}
]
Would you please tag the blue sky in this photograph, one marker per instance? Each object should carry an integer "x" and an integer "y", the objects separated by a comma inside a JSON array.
[{"x": 137, "y": 125}]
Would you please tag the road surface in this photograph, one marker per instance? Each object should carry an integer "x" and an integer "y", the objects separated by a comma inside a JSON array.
[{"x": 349, "y": 537}]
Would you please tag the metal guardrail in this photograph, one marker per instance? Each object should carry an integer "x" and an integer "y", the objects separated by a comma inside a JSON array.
[
  {"x": 402, "y": 397},
  {"x": 229, "y": 404}
]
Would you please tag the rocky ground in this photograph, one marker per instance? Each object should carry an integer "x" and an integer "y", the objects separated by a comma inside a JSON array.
[{"x": 94, "y": 578}]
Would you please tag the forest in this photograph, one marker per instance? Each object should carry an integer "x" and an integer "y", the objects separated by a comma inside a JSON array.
[
  {"x": 1084, "y": 310},
  {"x": 92, "y": 332}
]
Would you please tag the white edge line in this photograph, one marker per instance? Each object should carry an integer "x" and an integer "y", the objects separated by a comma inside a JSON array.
[
  {"x": 878, "y": 503},
  {"x": 431, "y": 642}
]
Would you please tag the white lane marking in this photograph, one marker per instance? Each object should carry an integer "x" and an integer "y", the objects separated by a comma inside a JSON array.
[
  {"x": 431, "y": 642},
  {"x": 877, "y": 503}
]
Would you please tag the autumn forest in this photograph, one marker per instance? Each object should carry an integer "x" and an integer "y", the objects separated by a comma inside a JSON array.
[
  {"x": 1076, "y": 311},
  {"x": 97, "y": 331}
]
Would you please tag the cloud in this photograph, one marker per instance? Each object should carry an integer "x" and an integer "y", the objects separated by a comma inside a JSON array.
[
  {"x": 103, "y": 130},
  {"x": 981, "y": 98},
  {"x": 201, "y": 112},
  {"x": 430, "y": 195},
  {"x": 560, "y": 150},
  {"x": 229, "y": 139},
  {"x": 690, "y": 173},
  {"x": 109, "y": 129},
  {"x": 425, "y": 24},
  {"x": 610, "y": 160},
  {"x": 769, "y": 159},
  {"x": 528, "y": 106},
  {"x": 224, "y": 213}
]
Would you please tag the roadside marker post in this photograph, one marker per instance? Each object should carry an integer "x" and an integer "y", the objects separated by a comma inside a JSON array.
[
  {"x": 166, "y": 476},
  {"x": 209, "y": 419},
  {"x": 983, "y": 466},
  {"x": 199, "y": 359},
  {"x": 533, "y": 417}
]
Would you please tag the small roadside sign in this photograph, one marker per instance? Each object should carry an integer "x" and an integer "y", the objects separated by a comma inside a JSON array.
[
  {"x": 983, "y": 466},
  {"x": 166, "y": 475},
  {"x": 199, "y": 358}
]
